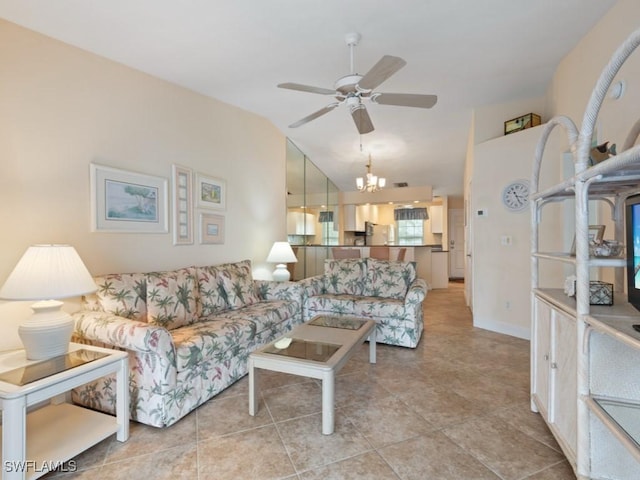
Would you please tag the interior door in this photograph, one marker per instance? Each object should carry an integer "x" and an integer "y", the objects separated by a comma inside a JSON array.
[
  {"x": 468, "y": 242},
  {"x": 456, "y": 243}
]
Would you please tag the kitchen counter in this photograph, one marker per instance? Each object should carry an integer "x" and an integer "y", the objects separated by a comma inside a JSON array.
[
  {"x": 433, "y": 247},
  {"x": 432, "y": 262}
]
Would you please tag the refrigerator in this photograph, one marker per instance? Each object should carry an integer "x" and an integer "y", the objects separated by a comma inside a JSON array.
[{"x": 379, "y": 234}]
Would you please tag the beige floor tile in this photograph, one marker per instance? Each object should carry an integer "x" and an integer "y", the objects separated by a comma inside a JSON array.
[
  {"x": 386, "y": 420},
  {"x": 176, "y": 463},
  {"x": 253, "y": 454},
  {"x": 270, "y": 379},
  {"x": 560, "y": 471},
  {"x": 442, "y": 407},
  {"x": 434, "y": 457},
  {"x": 489, "y": 392},
  {"x": 309, "y": 448},
  {"x": 144, "y": 439},
  {"x": 503, "y": 448},
  {"x": 528, "y": 422},
  {"x": 293, "y": 400},
  {"x": 221, "y": 416},
  {"x": 357, "y": 388},
  {"x": 368, "y": 466}
]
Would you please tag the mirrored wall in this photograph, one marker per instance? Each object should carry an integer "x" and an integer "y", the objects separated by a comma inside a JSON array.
[
  {"x": 312, "y": 210},
  {"x": 312, "y": 202}
]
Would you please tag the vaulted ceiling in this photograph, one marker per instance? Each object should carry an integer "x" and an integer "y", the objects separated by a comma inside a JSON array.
[{"x": 469, "y": 53}]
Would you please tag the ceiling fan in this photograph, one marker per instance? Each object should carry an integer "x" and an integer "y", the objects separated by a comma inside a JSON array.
[{"x": 352, "y": 89}]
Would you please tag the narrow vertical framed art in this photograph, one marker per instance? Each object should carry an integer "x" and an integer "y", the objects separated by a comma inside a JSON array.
[{"x": 182, "y": 179}]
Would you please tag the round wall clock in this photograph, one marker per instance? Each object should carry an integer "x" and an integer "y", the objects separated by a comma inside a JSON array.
[{"x": 515, "y": 196}]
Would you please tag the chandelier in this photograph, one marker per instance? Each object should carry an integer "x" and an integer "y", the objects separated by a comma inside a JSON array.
[{"x": 370, "y": 183}]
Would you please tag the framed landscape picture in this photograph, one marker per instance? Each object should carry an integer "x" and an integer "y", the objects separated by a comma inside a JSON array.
[
  {"x": 210, "y": 192},
  {"x": 123, "y": 201},
  {"x": 211, "y": 228}
]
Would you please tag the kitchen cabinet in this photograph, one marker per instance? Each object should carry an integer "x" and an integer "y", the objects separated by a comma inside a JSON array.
[
  {"x": 436, "y": 218},
  {"x": 554, "y": 379},
  {"x": 353, "y": 220},
  {"x": 355, "y": 216},
  {"x": 299, "y": 223},
  {"x": 439, "y": 269}
]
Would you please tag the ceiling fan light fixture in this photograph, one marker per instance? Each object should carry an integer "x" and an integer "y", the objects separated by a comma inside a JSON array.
[
  {"x": 373, "y": 183},
  {"x": 353, "y": 88}
]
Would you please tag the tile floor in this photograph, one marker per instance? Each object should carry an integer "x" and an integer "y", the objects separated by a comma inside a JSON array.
[{"x": 456, "y": 407}]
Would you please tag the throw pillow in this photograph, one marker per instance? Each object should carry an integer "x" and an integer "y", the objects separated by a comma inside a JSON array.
[
  {"x": 171, "y": 298},
  {"x": 237, "y": 281},
  {"x": 389, "y": 279},
  {"x": 345, "y": 276},
  {"x": 213, "y": 296},
  {"x": 123, "y": 294}
]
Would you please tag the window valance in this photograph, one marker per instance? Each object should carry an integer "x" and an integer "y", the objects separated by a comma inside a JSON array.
[
  {"x": 411, "y": 214},
  {"x": 325, "y": 217}
]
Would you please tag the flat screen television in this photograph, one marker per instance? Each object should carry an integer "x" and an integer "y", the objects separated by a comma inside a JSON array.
[{"x": 632, "y": 224}]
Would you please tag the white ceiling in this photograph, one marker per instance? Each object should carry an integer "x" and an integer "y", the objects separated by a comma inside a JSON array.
[{"x": 468, "y": 52}]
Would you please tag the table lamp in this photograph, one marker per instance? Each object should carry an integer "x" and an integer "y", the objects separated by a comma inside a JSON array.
[
  {"x": 47, "y": 273},
  {"x": 281, "y": 254}
]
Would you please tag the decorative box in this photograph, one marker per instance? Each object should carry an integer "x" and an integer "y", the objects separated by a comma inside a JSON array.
[
  {"x": 600, "y": 293},
  {"x": 520, "y": 123}
]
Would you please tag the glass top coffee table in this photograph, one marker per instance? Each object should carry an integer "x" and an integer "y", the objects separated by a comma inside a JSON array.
[{"x": 317, "y": 349}]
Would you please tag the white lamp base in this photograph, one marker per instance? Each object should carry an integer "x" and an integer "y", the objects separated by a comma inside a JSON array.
[
  {"x": 281, "y": 274},
  {"x": 46, "y": 334}
]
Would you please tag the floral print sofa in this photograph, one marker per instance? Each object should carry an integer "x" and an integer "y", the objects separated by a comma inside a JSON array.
[
  {"x": 188, "y": 332},
  {"x": 388, "y": 292}
]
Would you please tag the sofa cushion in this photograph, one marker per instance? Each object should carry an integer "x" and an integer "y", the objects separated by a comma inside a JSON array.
[
  {"x": 238, "y": 284},
  {"x": 355, "y": 305},
  {"x": 122, "y": 294},
  {"x": 265, "y": 315},
  {"x": 388, "y": 279},
  {"x": 345, "y": 276},
  {"x": 213, "y": 296},
  {"x": 215, "y": 340},
  {"x": 172, "y": 297}
]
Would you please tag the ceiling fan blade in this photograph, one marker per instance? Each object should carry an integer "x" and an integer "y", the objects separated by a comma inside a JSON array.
[
  {"x": 382, "y": 70},
  {"x": 307, "y": 88},
  {"x": 362, "y": 119},
  {"x": 405, "y": 99},
  {"x": 315, "y": 115}
]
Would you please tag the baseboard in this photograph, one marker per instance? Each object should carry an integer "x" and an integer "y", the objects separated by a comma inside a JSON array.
[{"x": 504, "y": 328}]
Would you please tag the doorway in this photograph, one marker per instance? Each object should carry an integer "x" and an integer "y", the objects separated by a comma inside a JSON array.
[{"x": 456, "y": 243}]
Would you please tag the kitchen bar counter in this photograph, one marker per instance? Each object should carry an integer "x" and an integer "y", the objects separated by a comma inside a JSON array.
[{"x": 432, "y": 262}]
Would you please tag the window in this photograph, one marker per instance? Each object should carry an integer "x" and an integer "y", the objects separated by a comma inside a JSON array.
[
  {"x": 330, "y": 236},
  {"x": 410, "y": 232}
]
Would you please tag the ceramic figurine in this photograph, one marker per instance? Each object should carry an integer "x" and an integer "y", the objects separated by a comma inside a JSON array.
[{"x": 601, "y": 152}]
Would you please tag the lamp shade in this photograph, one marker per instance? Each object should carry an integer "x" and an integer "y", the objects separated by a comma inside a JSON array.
[
  {"x": 48, "y": 272},
  {"x": 281, "y": 252}
]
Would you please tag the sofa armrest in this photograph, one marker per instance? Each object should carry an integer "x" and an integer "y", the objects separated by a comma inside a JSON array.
[
  {"x": 312, "y": 286},
  {"x": 123, "y": 333},
  {"x": 417, "y": 292},
  {"x": 271, "y": 290}
]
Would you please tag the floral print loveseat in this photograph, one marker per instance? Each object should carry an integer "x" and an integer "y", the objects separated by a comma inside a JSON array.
[
  {"x": 388, "y": 292},
  {"x": 188, "y": 332}
]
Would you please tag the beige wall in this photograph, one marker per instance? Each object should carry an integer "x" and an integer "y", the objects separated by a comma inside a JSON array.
[
  {"x": 63, "y": 108},
  {"x": 500, "y": 278}
]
